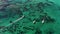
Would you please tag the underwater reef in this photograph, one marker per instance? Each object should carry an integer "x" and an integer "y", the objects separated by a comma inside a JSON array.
[{"x": 29, "y": 17}]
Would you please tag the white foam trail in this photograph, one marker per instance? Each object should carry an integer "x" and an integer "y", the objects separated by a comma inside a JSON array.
[
  {"x": 14, "y": 22},
  {"x": 43, "y": 21}
]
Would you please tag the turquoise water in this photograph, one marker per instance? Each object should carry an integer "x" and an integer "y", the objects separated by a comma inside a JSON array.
[{"x": 26, "y": 16}]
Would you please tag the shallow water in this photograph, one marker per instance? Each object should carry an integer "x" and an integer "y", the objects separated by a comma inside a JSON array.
[{"x": 26, "y": 16}]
